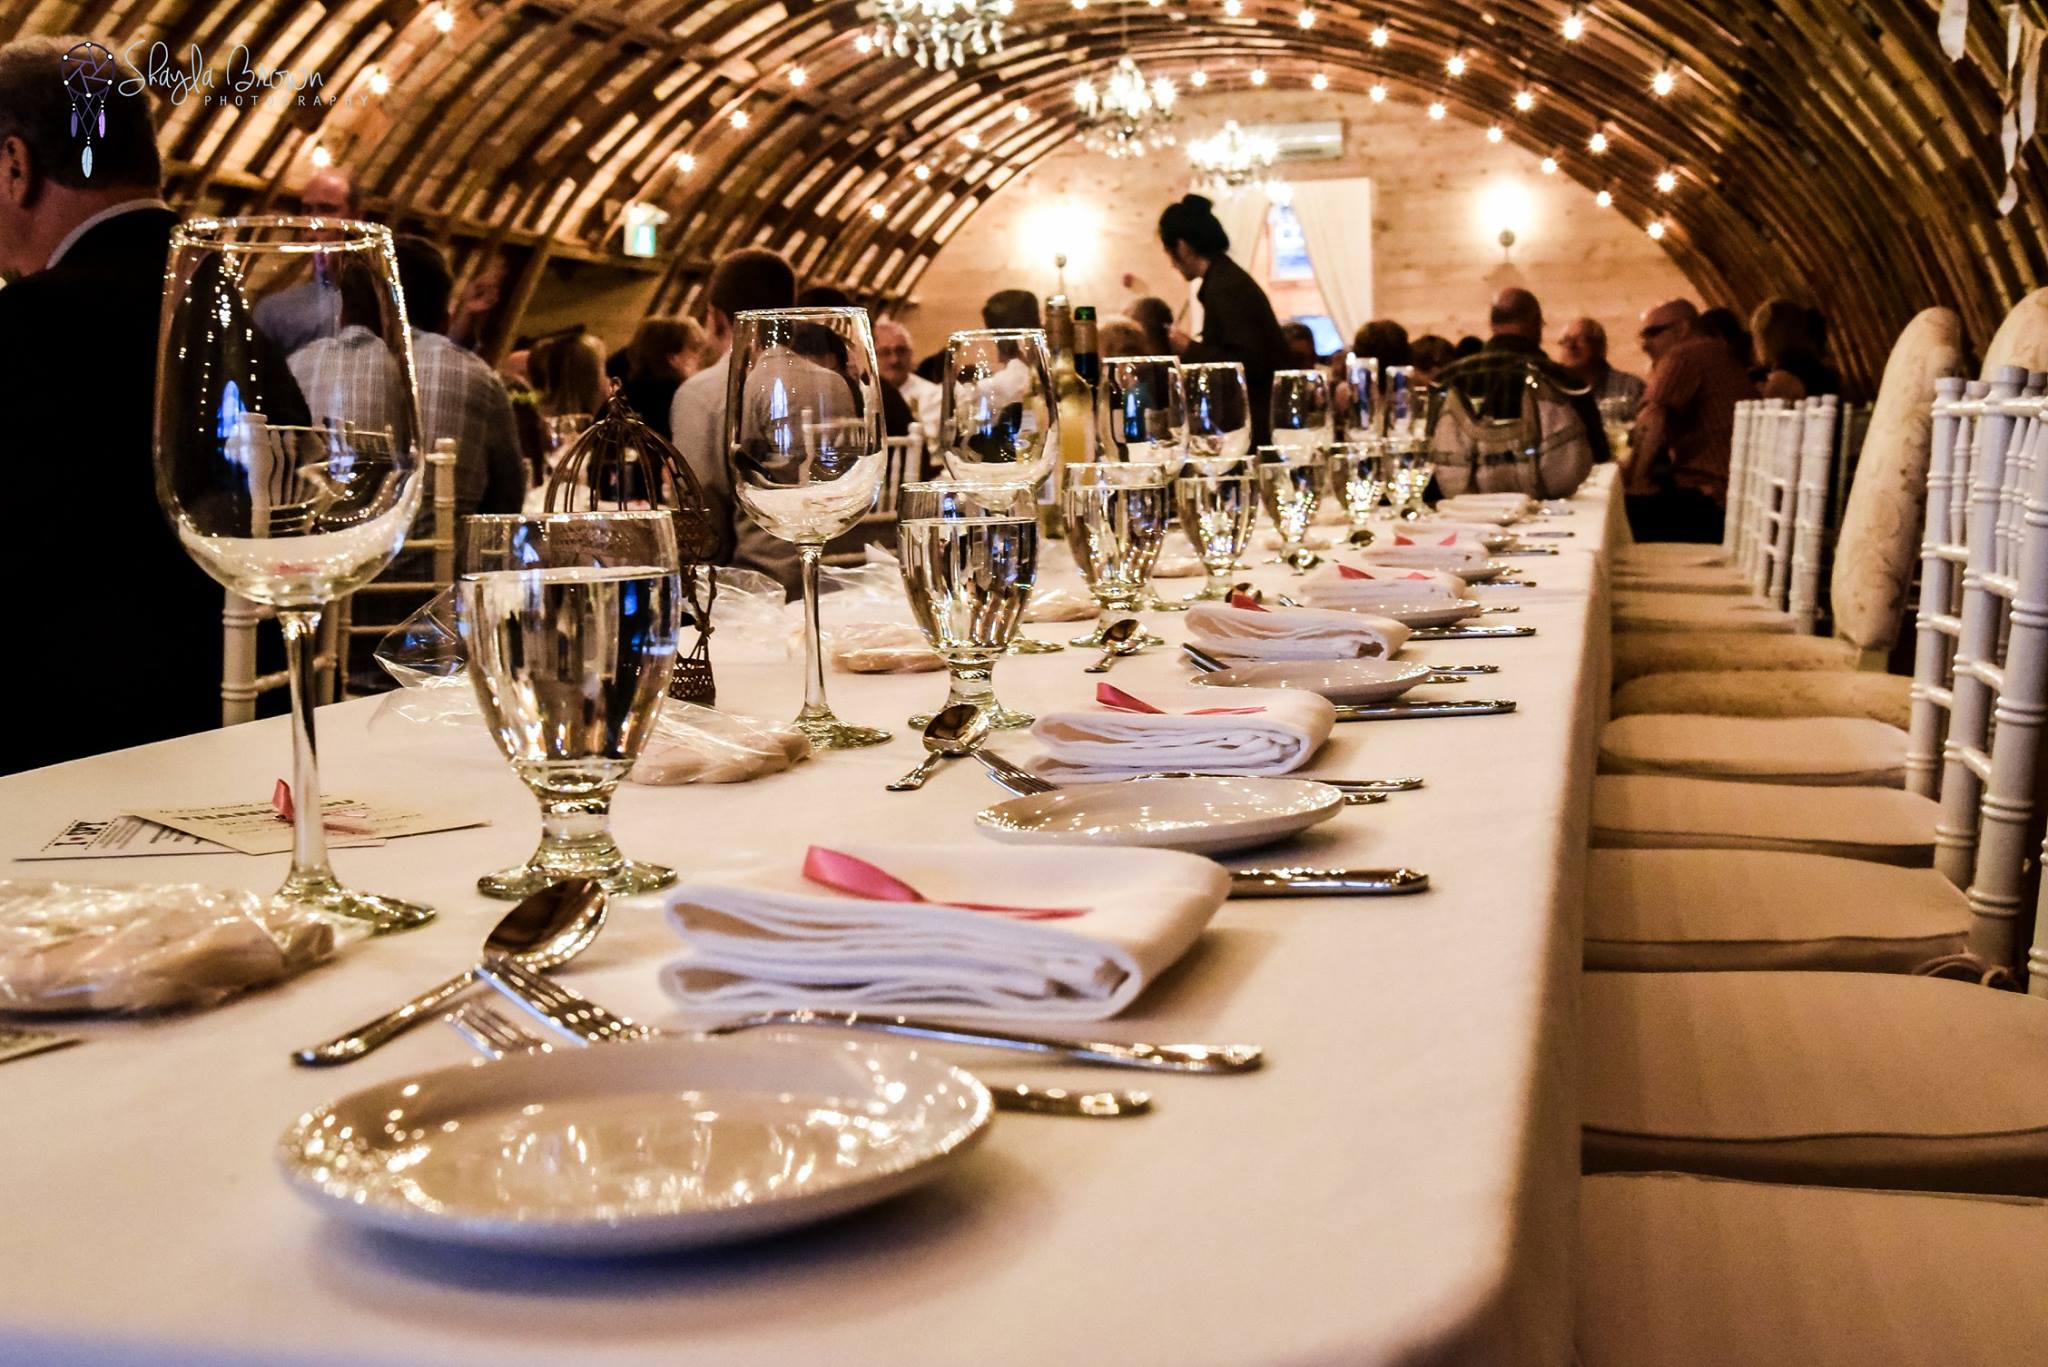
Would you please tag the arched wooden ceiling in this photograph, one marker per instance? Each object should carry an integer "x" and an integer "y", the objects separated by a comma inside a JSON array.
[{"x": 1824, "y": 148}]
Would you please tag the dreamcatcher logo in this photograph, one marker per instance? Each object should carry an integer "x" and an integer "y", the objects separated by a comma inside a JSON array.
[{"x": 88, "y": 76}]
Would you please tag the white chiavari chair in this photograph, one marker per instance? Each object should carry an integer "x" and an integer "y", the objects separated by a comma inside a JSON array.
[
  {"x": 434, "y": 552},
  {"x": 1810, "y": 518}
]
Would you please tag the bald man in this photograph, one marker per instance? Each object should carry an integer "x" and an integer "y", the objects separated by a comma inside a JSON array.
[
  {"x": 1583, "y": 348},
  {"x": 895, "y": 354},
  {"x": 1678, "y": 473},
  {"x": 310, "y": 309}
]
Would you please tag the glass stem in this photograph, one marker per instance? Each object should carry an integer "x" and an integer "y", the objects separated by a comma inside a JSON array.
[
  {"x": 815, "y": 708},
  {"x": 309, "y": 828},
  {"x": 971, "y": 684},
  {"x": 576, "y": 832}
]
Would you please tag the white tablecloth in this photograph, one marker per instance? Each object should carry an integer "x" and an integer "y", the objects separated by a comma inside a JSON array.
[{"x": 1396, "y": 1185}]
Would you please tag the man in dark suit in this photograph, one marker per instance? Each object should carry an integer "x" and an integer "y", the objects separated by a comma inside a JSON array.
[{"x": 111, "y": 627}]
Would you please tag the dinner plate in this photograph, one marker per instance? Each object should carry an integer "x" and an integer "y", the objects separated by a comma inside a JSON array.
[
  {"x": 637, "y": 1147},
  {"x": 1199, "y": 815},
  {"x": 1456, "y": 610},
  {"x": 1484, "y": 573},
  {"x": 1346, "y": 681}
]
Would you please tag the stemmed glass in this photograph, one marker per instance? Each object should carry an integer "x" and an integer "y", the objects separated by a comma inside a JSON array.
[
  {"x": 1404, "y": 403},
  {"x": 291, "y": 481},
  {"x": 1290, "y": 485},
  {"x": 803, "y": 426},
  {"x": 1411, "y": 464},
  {"x": 1219, "y": 415},
  {"x": 998, "y": 415},
  {"x": 1116, "y": 516},
  {"x": 1358, "y": 477},
  {"x": 1361, "y": 409},
  {"x": 969, "y": 554},
  {"x": 561, "y": 641},
  {"x": 1301, "y": 410},
  {"x": 1141, "y": 410},
  {"x": 1217, "y": 512}
]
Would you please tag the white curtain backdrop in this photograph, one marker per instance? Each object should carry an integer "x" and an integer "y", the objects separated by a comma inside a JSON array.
[
  {"x": 1243, "y": 216},
  {"x": 1336, "y": 223}
]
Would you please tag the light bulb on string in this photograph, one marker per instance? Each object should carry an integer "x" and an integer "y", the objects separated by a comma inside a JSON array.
[
  {"x": 685, "y": 163},
  {"x": 320, "y": 156},
  {"x": 1455, "y": 66},
  {"x": 1525, "y": 100},
  {"x": 1667, "y": 181},
  {"x": 1022, "y": 113},
  {"x": 798, "y": 77},
  {"x": 1198, "y": 78},
  {"x": 1437, "y": 110},
  {"x": 1550, "y": 166},
  {"x": 1378, "y": 93},
  {"x": 1494, "y": 133},
  {"x": 738, "y": 119},
  {"x": 444, "y": 18},
  {"x": 1656, "y": 230},
  {"x": 1574, "y": 25},
  {"x": 1306, "y": 18},
  {"x": 380, "y": 84},
  {"x": 1597, "y": 144},
  {"x": 1319, "y": 81},
  {"x": 1258, "y": 75},
  {"x": 1233, "y": 8},
  {"x": 863, "y": 44},
  {"x": 971, "y": 140},
  {"x": 1664, "y": 82},
  {"x": 1380, "y": 35},
  {"x": 877, "y": 212},
  {"x": 921, "y": 171},
  {"x": 1603, "y": 199}
]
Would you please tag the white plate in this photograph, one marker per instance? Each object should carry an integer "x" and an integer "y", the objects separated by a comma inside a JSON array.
[
  {"x": 1455, "y": 611},
  {"x": 1483, "y": 573},
  {"x": 1199, "y": 815},
  {"x": 639, "y": 1147},
  {"x": 1346, "y": 681}
]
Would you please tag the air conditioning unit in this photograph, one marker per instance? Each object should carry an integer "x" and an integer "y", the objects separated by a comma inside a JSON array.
[{"x": 1319, "y": 141}]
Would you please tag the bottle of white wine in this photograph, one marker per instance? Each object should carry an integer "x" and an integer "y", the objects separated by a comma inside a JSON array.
[{"x": 1073, "y": 394}]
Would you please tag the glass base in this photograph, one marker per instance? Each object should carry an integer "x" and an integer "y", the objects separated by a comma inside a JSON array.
[
  {"x": 1025, "y": 645},
  {"x": 325, "y": 897},
  {"x": 1143, "y": 640},
  {"x": 1000, "y": 718},
  {"x": 1362, "y": 536},
  {"x": 830, "y": 733},
  {"x": 1158, "y": 604},
  {"x": 523, "y": 880}
]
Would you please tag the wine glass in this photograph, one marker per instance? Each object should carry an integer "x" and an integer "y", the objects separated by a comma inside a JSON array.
[
  {"x": 1301, "y": 410},
  {"x": 803, "y": 425},
  {"x": 1411, "y": 464},
  {"x": 969, "y": 554},
  {"x": 998, "y": 414},
  {"x": 1116, "y": 515},
  {"x": 1290, "y": 485},
  {"x": 1358, "y": 477},
  {"x": 1404, "y": 406},
  {"x": 1141, "y": 410},
  {"x": 571, "y": 730},
  {"x": 1219, "y": 414},
  {"x": 1361, "y": 408},
  {"x": 1217, "y": 512},
  {"x": 292, "y": 481}
]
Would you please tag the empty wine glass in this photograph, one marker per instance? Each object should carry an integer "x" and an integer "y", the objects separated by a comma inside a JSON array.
[
  {"x": 1141, "y": 410},
  {"x": 1219, "y": 415},
  {"x": 1361, "y": 406},
  {"x": 803, "y": 426},
  {"x": 1358, "y": 477},
  {"x": 1116, "y": 516},
  {"x": 572, "y": 763},
  {"x": 293, "y": 480},
  {"x": 1301, "y": 410},
  {"x": 998, "y": 417},
  {"x": 1217, "y": 513},
  {"x": 969, "y": 554},
  {"x": 1411, "y": 464},
  {"x": 1290, "y": 485}
]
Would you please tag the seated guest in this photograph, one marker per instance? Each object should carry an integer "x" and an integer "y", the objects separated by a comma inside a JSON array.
[
  {"x": 108, "y": 619},
  {"x": 1791, "y": 367},
  {"x": 1723, "y": 324},
  {"x": 663, "y": 353},
  {"x": 1117, "y": 335},
  {"x": 1301, "y": 346},
  {"x": 894, "y": 354},
  {"x": 1155, "y": 316},
  {"x": 461, "y": 397},
  {"x": 1384, "y": 340},
  {"x": 750, "y": 278},
  {"x": 1003, "y": 309},
  {"x": 1512, "y": 418},
  {"x": 1677, "y": 482},
  {"x": 1429, "y": 354},
  {"x": 311, "y": 309},
  {"x": 1583, "y": 346}
]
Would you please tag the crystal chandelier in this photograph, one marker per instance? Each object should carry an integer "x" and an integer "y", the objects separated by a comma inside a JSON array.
[
  {"x": 1233, "y": 158},
  {"x": 1129, "y": 114},
  {"x": 940, "y": 33}
]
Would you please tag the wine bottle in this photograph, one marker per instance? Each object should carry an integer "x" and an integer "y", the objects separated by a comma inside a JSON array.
[
  {"x": 1087, "y": 358},
  {"x": 1074, "y": 395}
]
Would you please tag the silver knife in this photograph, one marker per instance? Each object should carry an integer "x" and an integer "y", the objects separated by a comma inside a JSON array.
[
  {"x": 1402, "y": 711},
  {"x": 1468, "y": 633},
  {"x": 1304, "y": 882}
]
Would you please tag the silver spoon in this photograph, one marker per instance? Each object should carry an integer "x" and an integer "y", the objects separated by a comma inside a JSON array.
[
  {"x": 545, "y": 931},
  {"x": 951, "y": 733},
  {"x": 1116, "y": 640}
]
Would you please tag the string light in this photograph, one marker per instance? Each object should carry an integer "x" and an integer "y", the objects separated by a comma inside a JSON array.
[
  {"x": 380, "y": 84},
  {"x": 1597, "y": 144},
  {"x": 444, "y": 18},
  {"x": 1258, "y": 75},
  {"x": 1233, "y": 8},
  {"x": 738, "y": 119},
  {"x": 1198, "y": 78},
  {"x": 1022, "y": 113},
  {"x": 798, "y": 76},
  {"x": 971, "y": 140},
  {"x": 1319, "y": 81},
  {"x": 1603, "y": 199},
  {"x": 685, "y": 163},
  {"x": 1664, "y": 82},
  {"x": 921, "y": 171},
  {"x": 1550, "y": 166},
  {"x": 1574, "y": 25},
  {"x": 877, "y": 212},
  {"x": 1656, "y": 230},
  {"x": 1667, "y": 181},
  {"x": 1494, "y": 133},
  {"x": 1525, "y": 100},
  {"x": 863, "y": 44},
  {"x": 1307, "y": 18},
  {"x": 1456, "y": 65},
  {"x": 1380, "y": 36},
  {"x": 1437, "y": 110},
  {"x": 320, "y": 156},
  {"x": 1378, "y": 93}
]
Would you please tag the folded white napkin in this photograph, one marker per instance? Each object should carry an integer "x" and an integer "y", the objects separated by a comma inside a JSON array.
[
  {"x": 1202, "y": 730},
  {"x": 770, "y": 939},
  {"x": 1500, "y": 509},
  {"x": 1487, "y": 534},
  {"x": 1381, "y": 588},
  {"x": 1280, "y": 633},
  {"x": 1428, "y": 550},
  {"x": 1061, "y": 604}
]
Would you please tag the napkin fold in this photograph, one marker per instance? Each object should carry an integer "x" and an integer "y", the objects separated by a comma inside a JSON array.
[
  {"x": 1263, "y": 731},
  {"x": 1501, "y": 509},
  {"x": 1280, "y": 633},
  {"x": 769, "y": 938},
  {"x": 1381, "y": 588},
  {"x": 1445, "y": 551}
]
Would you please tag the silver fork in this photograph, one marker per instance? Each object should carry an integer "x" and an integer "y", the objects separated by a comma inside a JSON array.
[{"x": 569, "y": 1014}]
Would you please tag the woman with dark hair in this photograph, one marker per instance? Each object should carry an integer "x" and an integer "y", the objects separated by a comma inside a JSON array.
[
  {"x": 1722, "y": 324},
  {"x": 1384, "y": 340},
  {"x": 663, "y": 353},
  {"x": 1790, "y": 365},
  {"x": 1238, "y": 323}
]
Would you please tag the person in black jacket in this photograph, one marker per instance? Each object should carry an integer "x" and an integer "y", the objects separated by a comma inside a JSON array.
[
  {"x": 1238, "y": 323},
  {"x": 111, "y": 626}
]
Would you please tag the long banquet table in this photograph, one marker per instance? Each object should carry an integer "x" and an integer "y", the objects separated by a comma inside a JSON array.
[{"x": 1398, "y": 1184}]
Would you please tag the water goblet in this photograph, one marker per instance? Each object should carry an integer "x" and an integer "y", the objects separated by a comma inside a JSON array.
[
  {"x": 1361, "y": 406},
  {"x": 1141, "y": 410},
  {"x": 998, "y": 413},
  {"x": 1217, "y": 513},
  {"x": 1358, "y": 477},
  {"x": 969, "y": 555},
  {"x": 803, "y": 429},
  {"x": 1301, "y": 411},
  {"x": 292, "y": 481},
  {"x": 1219, "y": 430},
  {"x": 1290, "y": 485},
  {"x": 1116, "y": 516},
  {"x": 1411, "y": 464}
]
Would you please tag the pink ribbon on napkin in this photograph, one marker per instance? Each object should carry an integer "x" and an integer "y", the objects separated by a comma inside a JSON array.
[
  {"x": 1113, "y": 697},
  {"x": 1349, "y": 573},
  {"x": 281, "y": 798},
  {"x": 1400, "y": 540},
  {"x": 842, "y": 872},
  {"x": 1240, "y": 599}
]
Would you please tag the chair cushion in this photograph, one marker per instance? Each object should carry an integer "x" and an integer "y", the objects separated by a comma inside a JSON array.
[
  {"x": 1841, "y": 1079},
  {"x": 1770, "y": 693},
  {"x": 1696, "y": 612},
  {"x": 1637, "y": 653},
  {"x": 1723, "y": 910},
  {"x": 1678, "y": 1269},
  {"x": 1879, "y": 545},
  {"x": 1669, "y": 555},
  {"x": 1645, "y": 811},
  {"x": 1716, "y": 579},
  {"x": 1805, "y": 750}
]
